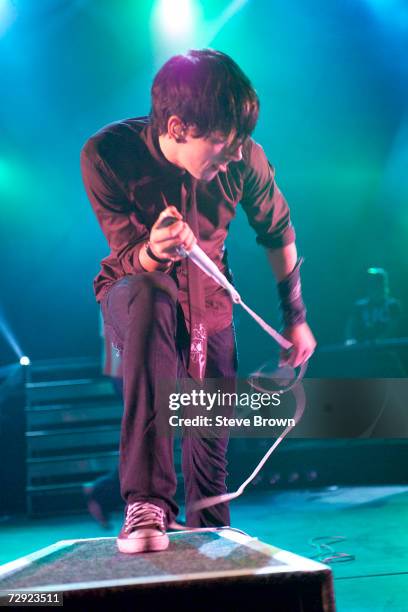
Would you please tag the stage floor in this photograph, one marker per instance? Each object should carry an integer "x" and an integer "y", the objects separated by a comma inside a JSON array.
[
  {"x": 224, "y": 564},
  {"x": 371, "y": 519}
]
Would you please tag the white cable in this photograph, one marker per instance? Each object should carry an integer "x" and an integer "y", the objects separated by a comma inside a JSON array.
[
  {"x": 197, "y": 255},
  {"x": 208, "y": 266}
]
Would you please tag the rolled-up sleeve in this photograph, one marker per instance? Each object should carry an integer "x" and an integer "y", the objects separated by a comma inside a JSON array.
[
  {"x": 265, "y": 206},
  {"x": 124, "y": 232}
]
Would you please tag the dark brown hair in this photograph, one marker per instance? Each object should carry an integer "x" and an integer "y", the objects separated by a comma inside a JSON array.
[{"x": 205, "y": 89}]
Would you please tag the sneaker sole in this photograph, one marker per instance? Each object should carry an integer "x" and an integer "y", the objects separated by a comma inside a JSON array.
[{"x": 137, "y": 545}]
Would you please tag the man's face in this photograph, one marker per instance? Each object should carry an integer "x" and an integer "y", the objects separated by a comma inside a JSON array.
[{"x": 204, "y": 157}]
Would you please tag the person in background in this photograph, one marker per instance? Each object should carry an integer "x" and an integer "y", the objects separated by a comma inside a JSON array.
[{"x": 377, "y": 315}]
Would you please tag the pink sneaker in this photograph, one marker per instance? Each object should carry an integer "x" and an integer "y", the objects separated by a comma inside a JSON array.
[{"x": 144, "y": 529}]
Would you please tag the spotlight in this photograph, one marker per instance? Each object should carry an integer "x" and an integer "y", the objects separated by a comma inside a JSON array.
[
  {"x": 175, "y": 17},
  {"x": 25, "y": 361}
]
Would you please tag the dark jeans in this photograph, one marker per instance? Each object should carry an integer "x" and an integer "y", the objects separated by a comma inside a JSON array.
[{"x": 143, "y": 318}]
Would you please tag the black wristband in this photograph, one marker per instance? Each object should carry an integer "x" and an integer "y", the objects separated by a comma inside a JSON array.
[
  {"x": 291, "y": 302},
  {"x": 154, "y": 257}
]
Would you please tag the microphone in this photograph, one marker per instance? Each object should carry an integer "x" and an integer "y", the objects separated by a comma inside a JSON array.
[{"x": 197, "y": 255}]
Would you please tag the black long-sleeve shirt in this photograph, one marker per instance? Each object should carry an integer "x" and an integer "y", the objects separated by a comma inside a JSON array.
[{"x": 129, "y": 182}]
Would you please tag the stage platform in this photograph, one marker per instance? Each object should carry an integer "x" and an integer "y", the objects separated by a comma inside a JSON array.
[{"x": 205, "y": 569}]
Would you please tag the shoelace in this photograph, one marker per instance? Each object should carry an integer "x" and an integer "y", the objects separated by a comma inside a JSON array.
[{"x": 144, "y": 514}]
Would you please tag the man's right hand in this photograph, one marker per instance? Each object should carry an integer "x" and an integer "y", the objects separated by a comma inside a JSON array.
[{"x": 165, "y": 240}]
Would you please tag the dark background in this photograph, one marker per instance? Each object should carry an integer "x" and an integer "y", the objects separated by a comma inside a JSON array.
[{"x": 332, "y": 79}]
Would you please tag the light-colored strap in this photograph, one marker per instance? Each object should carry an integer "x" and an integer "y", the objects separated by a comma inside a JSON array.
[{"x": 208, "y": 266}]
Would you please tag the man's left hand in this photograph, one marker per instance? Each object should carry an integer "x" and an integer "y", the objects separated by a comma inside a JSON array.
[{"x": 304, "y": 344}]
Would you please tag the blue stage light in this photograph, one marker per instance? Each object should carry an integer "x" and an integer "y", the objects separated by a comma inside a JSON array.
[
  {"x": 7, "y": 14},
  {"x": 25, "y": 361}
]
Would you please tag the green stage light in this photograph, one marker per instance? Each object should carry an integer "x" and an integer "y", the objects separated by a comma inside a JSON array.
[{"x": 11, "y": 178}]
